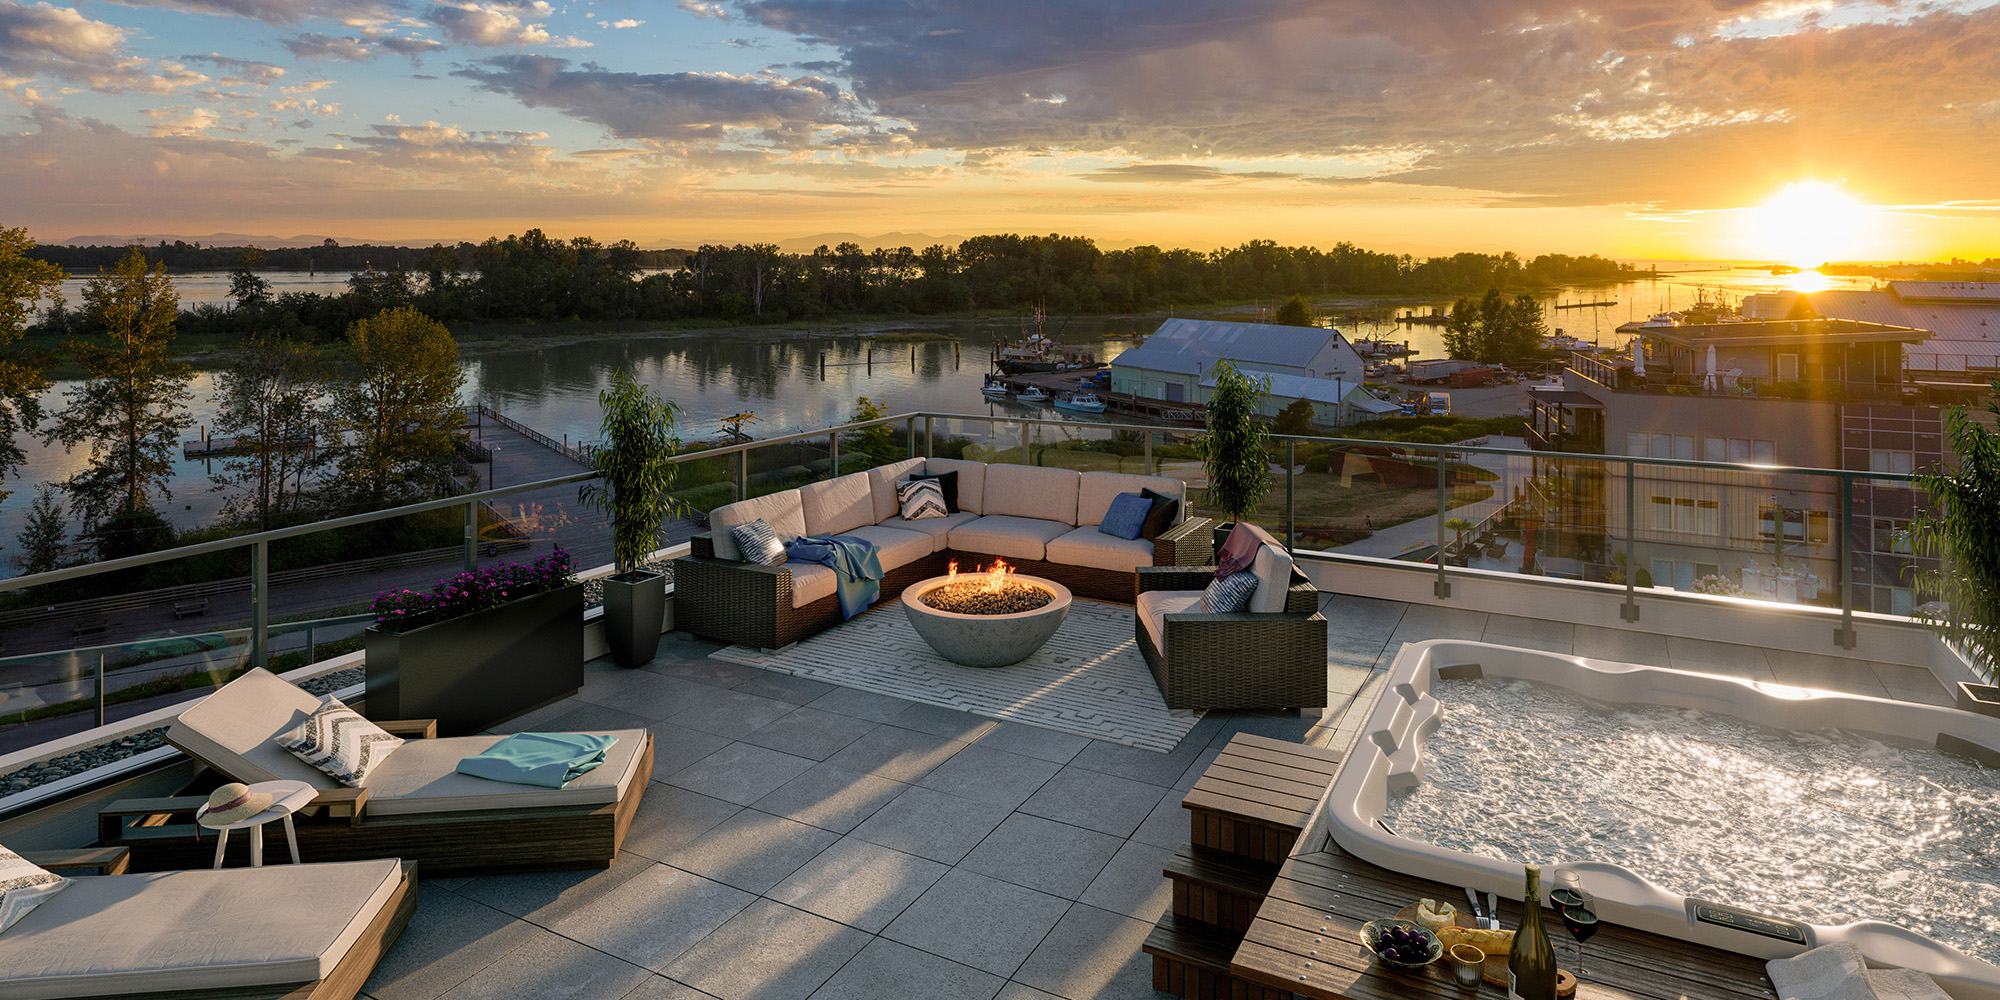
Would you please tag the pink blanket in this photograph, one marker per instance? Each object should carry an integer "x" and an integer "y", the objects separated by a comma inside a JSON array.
[{"x": 1241, "y": 548}]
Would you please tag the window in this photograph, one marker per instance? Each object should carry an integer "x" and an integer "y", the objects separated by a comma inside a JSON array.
[
  {"x": 1687, "y": 515},
  {"x": 1707, "y": 518},
  {"x": 1788, "y": 367},
  {"x": 1739, "y": 450},
  {"x": 1890, "y": 535},
  {"x": 1636, "y": 443},
  {"x": 1818, "y": 527},
  {"x": 1684, "y": 447},
  {"x": 1663, "y": 514},
  {"x": 1793, "y": 518},
  {"x": 1900, "y": 463},
  {"x": 1763, "y": 453},
  {"x": 1715, "y": 450},
  {"x": 1640, "y": 444}
]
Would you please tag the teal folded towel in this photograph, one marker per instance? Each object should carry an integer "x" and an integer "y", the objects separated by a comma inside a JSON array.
[{"x": 551, "y": 760}]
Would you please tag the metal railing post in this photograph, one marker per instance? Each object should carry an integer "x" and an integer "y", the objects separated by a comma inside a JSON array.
[
  {"x": 1151, "y": 470},
  {"x": 1442, "y": 589},
  {"x": 260, "y": 604},
  {"x": 833, "y": 455},
  {"x": 471, "y": 534},
  {"x": 310, "y": 645},
  {"x": 930, "y": 437},
  {"x": 1027, "y": 451},
  {"x": 1844, "y": 635},
  {"x": 743, "y": 475},
  {"x": 1630, "y": 612},
  {"x": 910, "y": 424},
  {"x": 100, "y": 689},
  {"x": 1291, "y": 523}
]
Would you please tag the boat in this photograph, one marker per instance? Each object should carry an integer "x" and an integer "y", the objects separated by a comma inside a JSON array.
[
  {"x": 1036, "y": 353},
  {"x": 1379, "y": 349},
  {"x": 1081, "y": 401},
  {"x": 995, "y": 389},
  {"x": 1032, "y": 394},
  {"x": 1664, "y": 319},
  {"x": 1560, "y": 341}
]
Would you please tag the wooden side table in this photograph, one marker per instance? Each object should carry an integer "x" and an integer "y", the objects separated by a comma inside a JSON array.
[{"x": 288, "y": 797}]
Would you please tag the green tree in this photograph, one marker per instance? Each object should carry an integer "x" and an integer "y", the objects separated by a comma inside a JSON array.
[
  {"x": 1296, "y": 418},
  {"x": 398, "y": 410},
  {"x": 245, "y": 286},
  {"x": 637, "y": 461},
  {"x": 131, "y": 406},
  {"x": 44, "y": 537},
  {"x": 876, "y": 442},
  {"x": 269, "y": 400},
  {"x": 1233, "y": 456},
  {"x": 1295, "y": 312},
  {"x": 1463, "y": 332},
  {"x": 23, "y": 281},
  {"x": 1957, "y": 531}
]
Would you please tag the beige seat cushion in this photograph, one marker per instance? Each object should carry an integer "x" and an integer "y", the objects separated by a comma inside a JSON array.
[
  {"x": 1154, "y": 606},
  {"x": 1273, "y": 567},
  {"x": 810, "y": 582},
  {"x": 780, "y": 510},
  {"x": 236, "y": 729},
  {"x": 203, "y": 930},
  {"x": 971, "y": 481},
  {"x": 882, "y": 485},
  {"x": 1029, "y": 491},
  {"x": 422, "y": 777},
  {"x": 938, "y": 528},
  {"x": 896, "y": 546},
  {"x": 838, "y": 506},
  {"x": 1093, "y": 549},
  {"x": 1007, "y": 537},
  {"x": 1097, "y": 489}
]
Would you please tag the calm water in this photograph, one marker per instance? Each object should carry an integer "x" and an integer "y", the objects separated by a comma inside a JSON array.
[
  {"x": 554, "y": 389},
  {"x": 1827, "y": 826}
]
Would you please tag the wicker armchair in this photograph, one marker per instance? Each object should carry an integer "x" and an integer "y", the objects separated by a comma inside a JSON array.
[{"x": 1238, "y": 660}]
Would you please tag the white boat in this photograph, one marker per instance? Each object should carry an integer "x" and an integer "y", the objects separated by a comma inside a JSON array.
[
  {"x": 994, "y": 389},
  {"x": 1082, "y": 401},
  {"x": 1032, "y": 394}
]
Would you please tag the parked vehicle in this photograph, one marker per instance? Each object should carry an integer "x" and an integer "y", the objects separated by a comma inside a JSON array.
[
  {"x": 1438, "y": 369},
  {"x": 1437, "y": 404}
]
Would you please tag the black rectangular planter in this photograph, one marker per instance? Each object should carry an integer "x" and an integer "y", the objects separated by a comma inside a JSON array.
[{"x": 472, "y": 672}]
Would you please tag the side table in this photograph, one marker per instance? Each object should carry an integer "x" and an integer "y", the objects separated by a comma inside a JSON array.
[{"x": 288, "y": 797}]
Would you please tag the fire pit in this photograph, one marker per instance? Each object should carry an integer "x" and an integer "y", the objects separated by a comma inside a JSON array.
[{"x": 989, "y": 618}]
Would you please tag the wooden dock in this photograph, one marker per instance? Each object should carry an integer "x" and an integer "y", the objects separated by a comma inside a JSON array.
[{"x": 1057, "y": 383}]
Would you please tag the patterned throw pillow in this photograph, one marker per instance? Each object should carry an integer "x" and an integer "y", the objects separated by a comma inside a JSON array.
[
  {"x": 921, "y": 498},
  {"x": 1126, "y": 517},
  {"x": 947, "y": 481},
  {"x": 1229, "y": 594},
  {"x": 759, "y": 542},
  {"x": 23, "y": 886},
  {"x": 337, "y": 740}
]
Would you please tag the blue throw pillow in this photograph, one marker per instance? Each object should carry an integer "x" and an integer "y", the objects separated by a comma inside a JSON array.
[
  {"x": 1230, "y": 594},
  {"x": 759, "y": 543},
  {"x": 1127, "y": 515}
]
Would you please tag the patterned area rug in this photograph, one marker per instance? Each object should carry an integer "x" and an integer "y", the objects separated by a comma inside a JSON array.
[{"x": 1090, "y": 678}]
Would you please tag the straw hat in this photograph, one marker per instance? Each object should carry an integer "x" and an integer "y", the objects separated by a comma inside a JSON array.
[{"x": 234, "y": 803}]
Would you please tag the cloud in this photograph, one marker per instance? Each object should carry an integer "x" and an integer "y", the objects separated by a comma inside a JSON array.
[
  {"x": 241, "y": 71},
  {"x": 660, "y": 105},
  {"x": 706, "y": 9},
  {"x": 350, "y": 48},
  {"x": 620, "y": 25},
  {"x": 352, "y": 13},
  {"x": 496, "y": 26},
  {"x": 43, "y": 40}
]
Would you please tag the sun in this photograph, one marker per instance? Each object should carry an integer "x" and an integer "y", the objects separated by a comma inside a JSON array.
[{"x": 1808, "y": 223}]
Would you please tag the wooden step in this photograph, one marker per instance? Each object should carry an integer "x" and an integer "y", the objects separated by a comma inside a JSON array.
[
  {"x": 1216, "y": 887},
  {"x": 1255, "y": 799},
  {"x": 1191, "y": 960}
]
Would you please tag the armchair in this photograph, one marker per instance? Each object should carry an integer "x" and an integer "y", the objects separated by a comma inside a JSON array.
[{"x": 1204, "y": 660}]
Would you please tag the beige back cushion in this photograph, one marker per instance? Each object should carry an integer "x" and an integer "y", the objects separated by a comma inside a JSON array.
[
  {"x": 779, "y": 510},
  {"x": 1030, "y": 491},
  {"x": 1098, "y": 489},
  {"x": 1273, "y": 567},
  {"x": 236, "y": 729},
  {"x": 882, "y": 483},
  {"x": 971, "y": 481},
  {"x": 838, "y": 505}
]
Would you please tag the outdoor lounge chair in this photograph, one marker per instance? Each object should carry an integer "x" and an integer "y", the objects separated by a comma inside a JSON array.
[
  {"x": 1247, "y": 659},
  {"x": 414, "y": 805},
  {"x": 297, "y": 932}
]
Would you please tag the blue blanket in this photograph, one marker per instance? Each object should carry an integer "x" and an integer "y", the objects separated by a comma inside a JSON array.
[
  {"x": 551, "y": 760},
  {"x": 854, "y": 563}
]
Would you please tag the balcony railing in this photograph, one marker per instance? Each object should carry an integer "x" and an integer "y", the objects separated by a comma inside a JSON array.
[{"x": 1659, "y": 381}]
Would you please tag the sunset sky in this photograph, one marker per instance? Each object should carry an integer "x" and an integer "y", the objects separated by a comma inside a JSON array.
[{"x": 1649, "y": 128}]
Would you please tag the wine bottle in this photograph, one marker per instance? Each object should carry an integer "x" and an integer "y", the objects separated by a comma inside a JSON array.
[{"x": 1531, "y": 963}]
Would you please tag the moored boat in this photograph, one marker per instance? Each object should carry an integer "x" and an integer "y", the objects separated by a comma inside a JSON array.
[
  {"x": 1032, "y": 394},
  {"x": 1083, "y": 402}
]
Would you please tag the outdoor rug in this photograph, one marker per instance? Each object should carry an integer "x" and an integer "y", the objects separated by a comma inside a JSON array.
[{"x": 1090, "y": 679}]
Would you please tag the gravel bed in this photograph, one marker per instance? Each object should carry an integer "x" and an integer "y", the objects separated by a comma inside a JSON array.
[
  {"x": 593, "y": 590},
  {"x": 974, "y": 599}
]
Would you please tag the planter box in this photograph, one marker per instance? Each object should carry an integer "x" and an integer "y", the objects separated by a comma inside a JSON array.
[
  {"x": 1981, "y": 698},
  {"x": 472, "y": 672}
]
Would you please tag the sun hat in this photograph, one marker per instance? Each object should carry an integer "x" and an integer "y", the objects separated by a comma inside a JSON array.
[{"x": 234, "y": 803}]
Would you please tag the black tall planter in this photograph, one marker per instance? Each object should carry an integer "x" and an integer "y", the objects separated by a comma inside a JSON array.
[
  {"x": 472, "y": 672},
  {"x": 635, "y": 607}
]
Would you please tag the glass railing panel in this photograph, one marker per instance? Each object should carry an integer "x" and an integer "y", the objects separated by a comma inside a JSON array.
[
  {"x": 53, "y": 695},
  {"x": 1376, "y": 498}
]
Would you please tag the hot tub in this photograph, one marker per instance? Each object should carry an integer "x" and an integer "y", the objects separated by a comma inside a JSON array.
[{"x": 1391, "y": 759}]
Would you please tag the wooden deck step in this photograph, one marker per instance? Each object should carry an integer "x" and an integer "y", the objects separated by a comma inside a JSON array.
[
  {"x": 1255, "y": 799},
  {"x": 1191, "y": 960},
  {"x": 1215, "y": 887}
]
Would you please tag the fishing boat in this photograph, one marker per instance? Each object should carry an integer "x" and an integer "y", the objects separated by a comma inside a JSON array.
[
  {"x": 994, "y": 388},
  {"x": 1032, "y": 394},
  {"x": 1379, "y": 349},
  {"x": 1083, "y": 402}
]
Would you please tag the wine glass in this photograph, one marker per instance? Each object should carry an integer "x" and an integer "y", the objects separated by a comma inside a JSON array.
[{"x": 1576, "y": 908}]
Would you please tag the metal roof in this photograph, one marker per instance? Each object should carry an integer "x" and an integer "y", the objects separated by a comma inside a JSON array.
[
  {"x": 1964, "y": 334},
  {"x": 1189, "y": 346},
  {"x": 1947, "y": 291},
  {"x": 1778, "y": 332},
  {"x": 1319, "y": 390}
]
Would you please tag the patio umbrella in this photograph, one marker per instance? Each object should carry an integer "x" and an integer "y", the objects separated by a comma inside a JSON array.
[
  {"x": 1638, "y": 357},
  {"x": 1708, "y": 381}
]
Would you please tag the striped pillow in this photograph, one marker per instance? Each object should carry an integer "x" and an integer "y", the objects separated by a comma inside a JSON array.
[
  {"x": 23, "y": 886},
  {"x": 337, "y": 740},
  {"x": 921, "y": 498},
  {"x": 759, "y": 542},
  {"x": 1229, "y": 594}
]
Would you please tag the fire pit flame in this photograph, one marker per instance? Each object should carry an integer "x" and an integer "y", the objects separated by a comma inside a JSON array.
[
  {"x": 994, "y": 577},
  {"x": 995, "y": 590}
]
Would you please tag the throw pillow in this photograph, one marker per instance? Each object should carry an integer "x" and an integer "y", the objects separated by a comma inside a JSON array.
[
  {"x": 920, "y": 498},
  {"x": 1126, "y": 517},
  {"x": 1165, "y": 514},
  {"x": 947, "y": 481},
  {"x": 337, "y": 740},
  {"x": 23, "y": 886},
  {"x": 1229, "y": 594},
  {"x": 759, "y": 542}
]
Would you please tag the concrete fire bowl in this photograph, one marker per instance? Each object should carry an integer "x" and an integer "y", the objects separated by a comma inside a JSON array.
[{"x": 986, "y": 640}]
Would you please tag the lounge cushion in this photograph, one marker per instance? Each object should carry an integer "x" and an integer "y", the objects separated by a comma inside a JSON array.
[
  {"x": 1096, "y": 490},
  {"x": 838, "y": 506},
  {"x": 237, "y": 728},
  {"x": 1154, "y": 606},
  {"x": 780, "y": 510},
  {"x": 1029, "y": 491},
  {"x": 1273, "y": 567},
  {"x": 811, "y": 581},
  {"x": 1093, "y": 549},
  {"x": 201, "y": 930},
  {"x": 896, "y": 546},
  {"x": 882, "y": 485},
  {"x": 971, "y": 481},
  {"x": 1008, "y": 537},
  {"x": 939, "y": 528},
  {"x": 423, "y": 778}
]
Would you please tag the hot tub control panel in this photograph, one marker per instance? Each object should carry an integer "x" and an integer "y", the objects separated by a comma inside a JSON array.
[{"x": 1736, "y": 918}]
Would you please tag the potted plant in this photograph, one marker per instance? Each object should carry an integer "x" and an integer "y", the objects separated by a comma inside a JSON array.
[
  {"x": 1233, "y": 454},
  {"x": 480, "y": 647},
  {"x": 1963, "y": 589},
  {"x": 636, "y": 494}
]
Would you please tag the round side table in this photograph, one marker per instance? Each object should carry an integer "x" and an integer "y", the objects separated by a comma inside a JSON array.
[{"x": 288, "y": 797}]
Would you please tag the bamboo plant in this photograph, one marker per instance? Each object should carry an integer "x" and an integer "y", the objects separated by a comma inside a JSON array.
[
  {"x": 636, "y": 460},
  {"x": 1233, "y": 454},
  {"x": 1958, "y": 531}
]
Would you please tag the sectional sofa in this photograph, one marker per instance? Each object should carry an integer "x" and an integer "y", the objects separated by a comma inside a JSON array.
[{"x": 1042, "y": 521}]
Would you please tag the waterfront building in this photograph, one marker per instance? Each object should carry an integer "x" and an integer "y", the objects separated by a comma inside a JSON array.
[
  {"x": 1962, "y": 319},
  {"x": 1311, "y": 363}
]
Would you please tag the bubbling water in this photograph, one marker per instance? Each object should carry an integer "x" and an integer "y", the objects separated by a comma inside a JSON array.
[{"x": 1827, "y": 826}]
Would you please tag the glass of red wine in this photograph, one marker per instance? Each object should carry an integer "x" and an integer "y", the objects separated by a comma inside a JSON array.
[{"x": 1575, "y": 907}]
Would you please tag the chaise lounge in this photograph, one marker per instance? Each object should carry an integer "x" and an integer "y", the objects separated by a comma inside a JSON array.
[
  {"x": 1042, "y": 521},
  {"x": 413, "y": 805}
]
